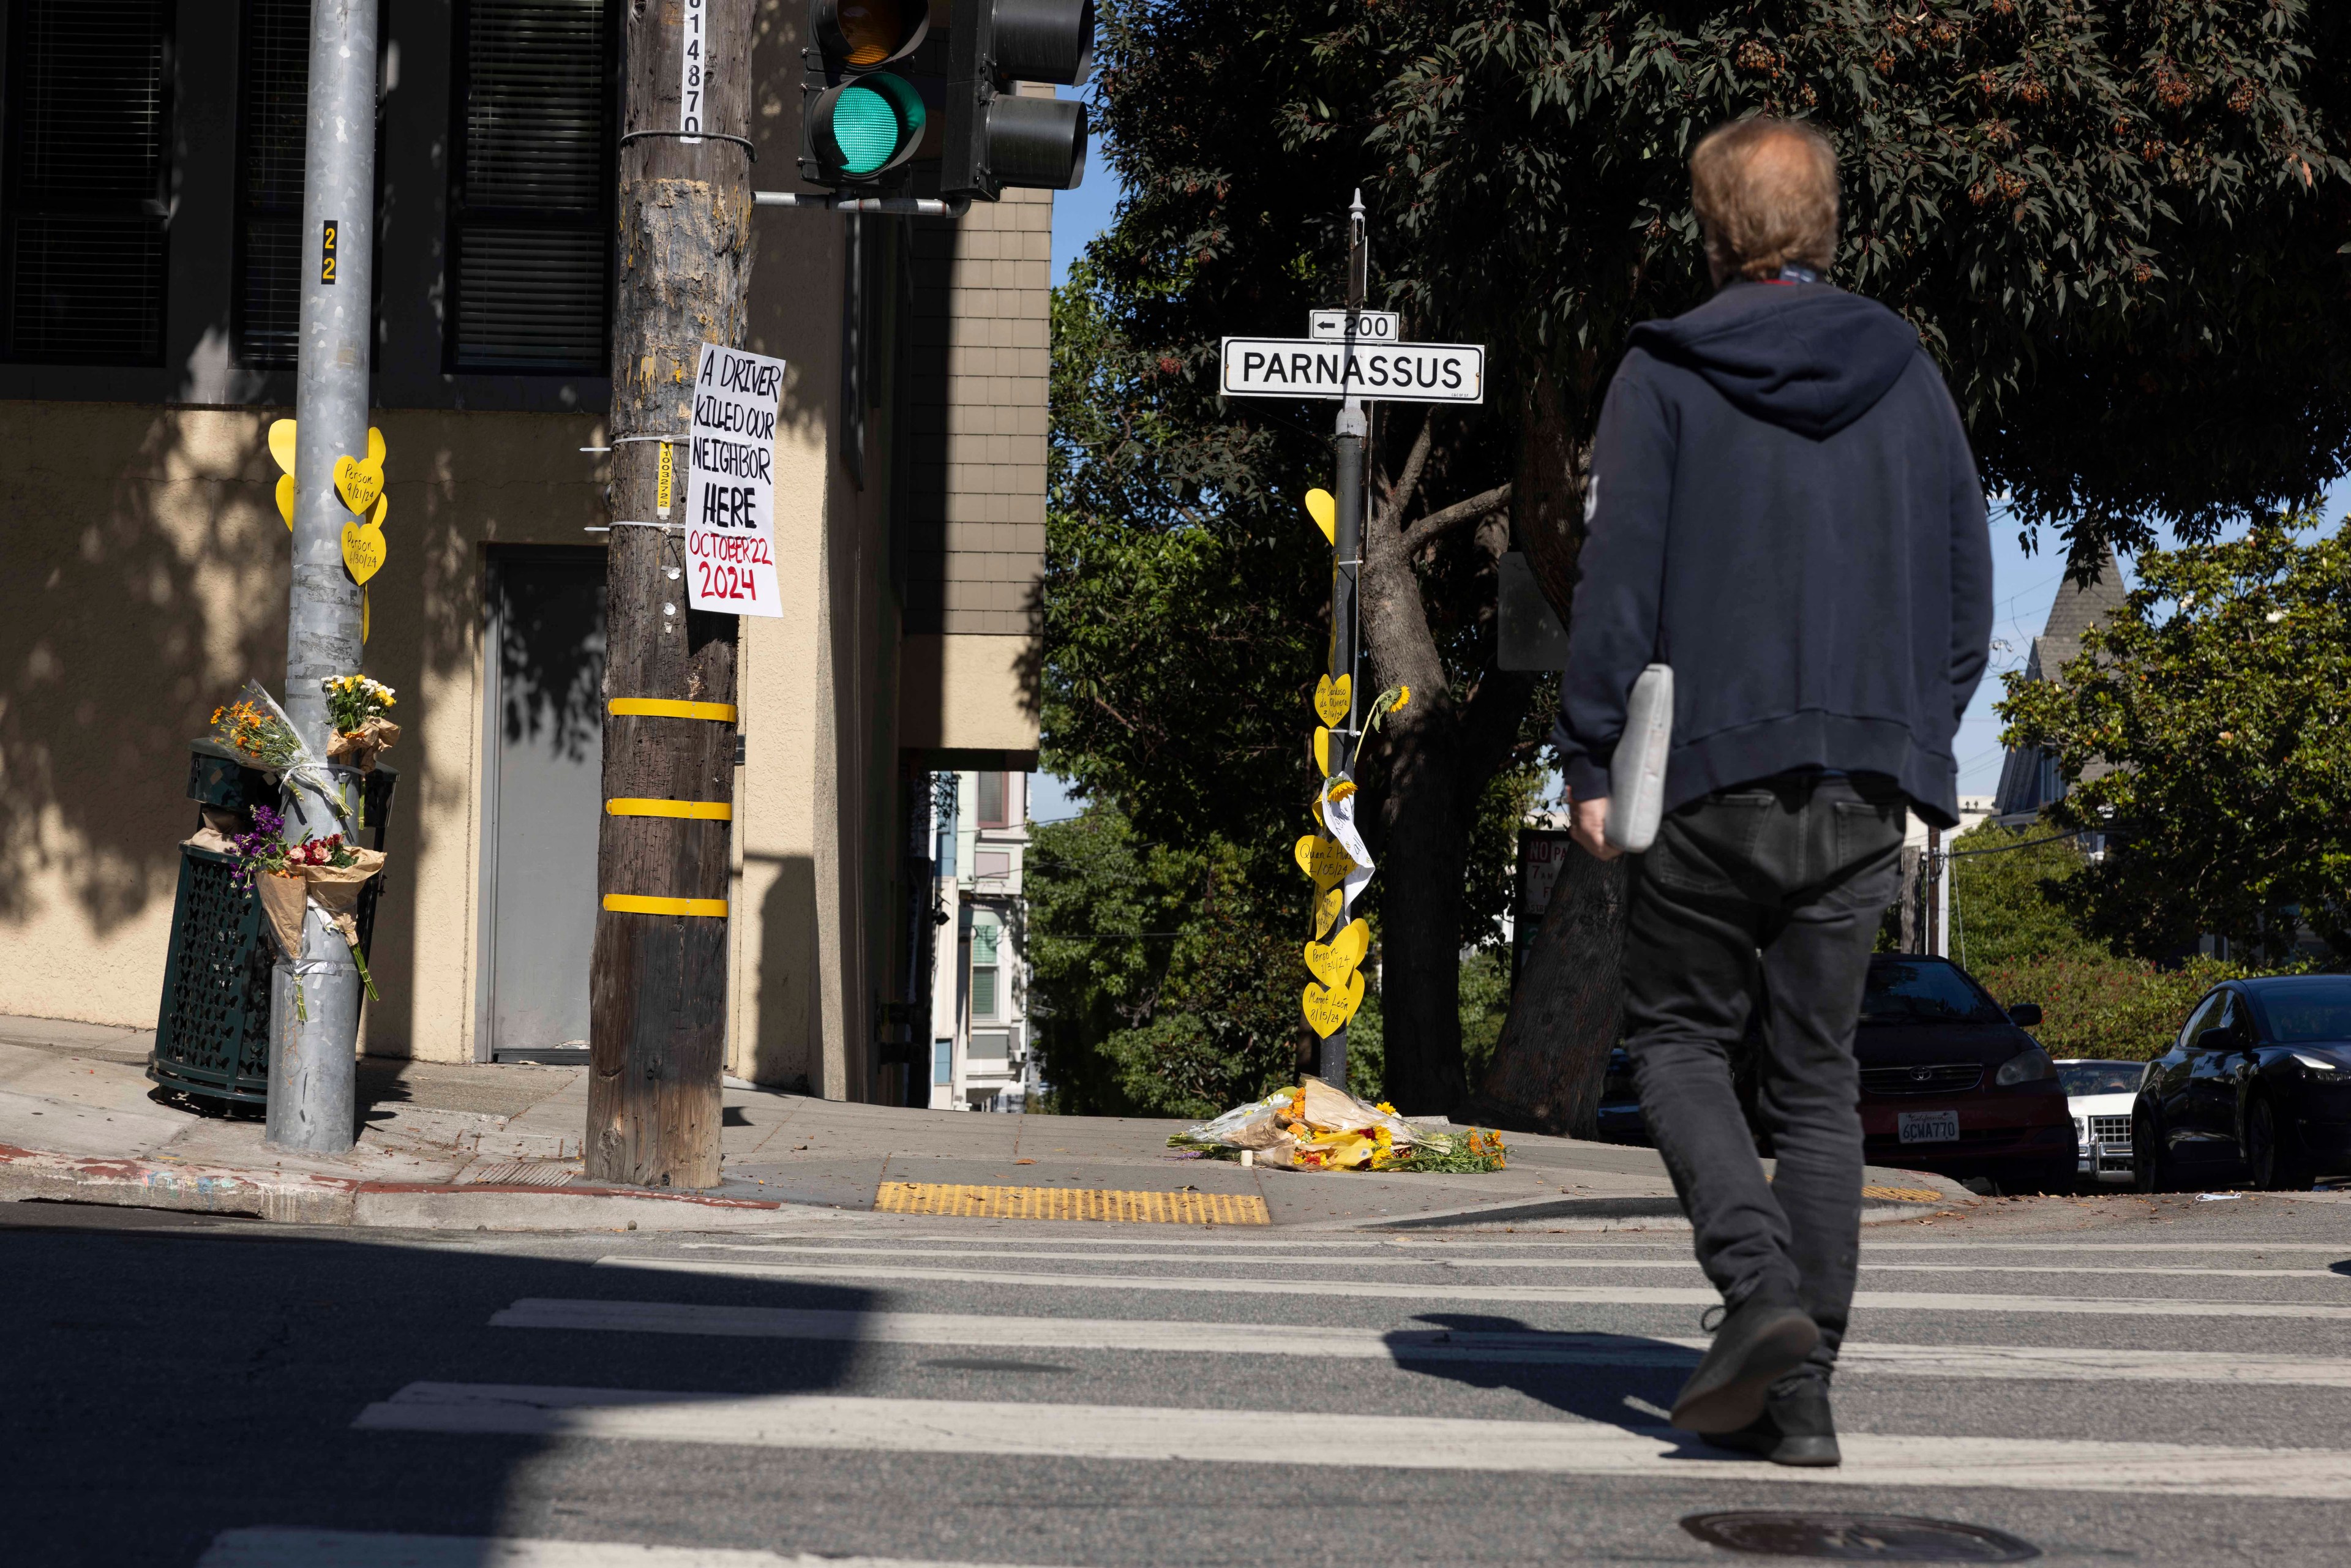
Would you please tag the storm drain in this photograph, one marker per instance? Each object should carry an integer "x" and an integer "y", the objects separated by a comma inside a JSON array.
[
  {"x": 1857, "y": 1538},
  {"x": 518, "y": 1173}
]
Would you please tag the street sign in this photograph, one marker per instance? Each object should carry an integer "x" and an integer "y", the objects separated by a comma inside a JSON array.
[
  {"x": 1370, "y": 325},
  {"x": 1394, "y": 372}
]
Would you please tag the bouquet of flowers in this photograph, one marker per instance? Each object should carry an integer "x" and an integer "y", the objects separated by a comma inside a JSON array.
[
  {"x": 254, "y": 725},
  {"x": 290, "y": 878},
  {"x": 355, "y": 706},
  {"x": 1317, "y": 1128}
]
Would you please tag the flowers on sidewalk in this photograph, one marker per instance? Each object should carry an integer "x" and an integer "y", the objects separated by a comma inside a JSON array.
[{"x": 1317, "y": 1127}]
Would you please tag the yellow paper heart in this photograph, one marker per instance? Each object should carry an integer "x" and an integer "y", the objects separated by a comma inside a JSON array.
[
  {"x": 1332, "y": 963},
  {"x": 375, "y": 446},
  {"x": 1328, "y": 1007},
  {"x": 1326, "y": 860},
  {"x": 363, "y": 550},
  {"x": 285, "y": 498},
  {"x": 1324, "y": 507},
  {"x": 1327, "y": 904},
  {"x": 358, "y": 483},
  {"x": 1331, "y": 699},
  {"x": 281, "y": 443},
  {"x": 1322, "y": 750}
]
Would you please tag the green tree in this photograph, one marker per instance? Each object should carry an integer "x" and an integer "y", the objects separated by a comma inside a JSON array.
[
  {"x": 2006, "y": 897},
  {"x": 2219, "y": 700},
  {"x": 1147, "y": 967},
  {"x": 2115, "y": 224}
]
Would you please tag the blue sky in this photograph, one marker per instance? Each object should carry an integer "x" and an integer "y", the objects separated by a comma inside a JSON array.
[{"x": 2024, "y": 586}]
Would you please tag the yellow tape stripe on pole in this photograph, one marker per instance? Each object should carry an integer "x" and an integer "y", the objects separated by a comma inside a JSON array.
[
  {"x": 666, "y": 708},
  {"x": 697, "y": 811},
  {"x": 634, "y": 904}
]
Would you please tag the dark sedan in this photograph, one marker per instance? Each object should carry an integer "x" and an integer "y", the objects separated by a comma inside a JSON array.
[
  {"x": 1949, "y": 1082},
  {"x": 2257, "y": 1086}
]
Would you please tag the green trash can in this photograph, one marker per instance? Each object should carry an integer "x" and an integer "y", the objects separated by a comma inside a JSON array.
[{"x": 211, "y": 1031}]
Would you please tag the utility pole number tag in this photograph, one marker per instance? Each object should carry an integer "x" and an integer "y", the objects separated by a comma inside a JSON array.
[
  {"x": 693, "y": 48},
  {"x": 730, "y": 484}
]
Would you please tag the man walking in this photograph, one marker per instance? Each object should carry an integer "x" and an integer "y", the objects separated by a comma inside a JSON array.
[{"x": 1783, "y": 508}]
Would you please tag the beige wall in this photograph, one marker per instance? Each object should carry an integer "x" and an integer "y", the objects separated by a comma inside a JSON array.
[
  {"x": 145, "y": 573},
  {"x": 143, "y": 579}
]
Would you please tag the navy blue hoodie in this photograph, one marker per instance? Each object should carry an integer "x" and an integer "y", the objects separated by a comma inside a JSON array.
[{"x": 1782, "y": 508}]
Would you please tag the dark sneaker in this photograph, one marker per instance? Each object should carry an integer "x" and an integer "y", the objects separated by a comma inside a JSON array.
[
  {"x": 1795, "y": 1429},
  {"x": 1762, "y": 1340}
]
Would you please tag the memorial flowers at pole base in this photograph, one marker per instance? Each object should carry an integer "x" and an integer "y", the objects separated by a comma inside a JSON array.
[
  {"x": 1317, "y": 1127},
  {"x": 289, "y": 879}
]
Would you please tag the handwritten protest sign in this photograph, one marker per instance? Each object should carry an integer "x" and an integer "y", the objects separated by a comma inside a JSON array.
[{"x": 730, "y": 486}]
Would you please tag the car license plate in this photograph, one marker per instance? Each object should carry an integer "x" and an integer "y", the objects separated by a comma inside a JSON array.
[{"x": 1928, "y": 1126}]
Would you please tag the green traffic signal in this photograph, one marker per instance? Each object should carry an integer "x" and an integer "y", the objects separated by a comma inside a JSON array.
[{"x": 860, "y": 120}]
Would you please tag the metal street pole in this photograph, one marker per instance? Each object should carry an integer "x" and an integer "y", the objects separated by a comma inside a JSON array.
[
  {"x": 314, "y": 1032},
  {"x": 1346, "y": 560}
]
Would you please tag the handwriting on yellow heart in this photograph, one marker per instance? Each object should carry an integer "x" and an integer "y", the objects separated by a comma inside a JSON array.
[
  {"x": 285, "y": 498},
  {"x": 358, "y": 483},
  {"x": 1331, "y": 699},
  {"x": 363, "y": 550},
  {"x": 281, "y": 443},
  {"x": 1327, "y": 904},
  {"x": 1328, "y": 1007},
  {"x": 1332, "y": 963},
  {"x": 1326, "y": 860},
  {"x": 1324, "y": 507}
]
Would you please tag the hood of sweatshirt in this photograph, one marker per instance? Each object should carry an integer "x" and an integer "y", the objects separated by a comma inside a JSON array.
[{"x": 1808, "y": 357}]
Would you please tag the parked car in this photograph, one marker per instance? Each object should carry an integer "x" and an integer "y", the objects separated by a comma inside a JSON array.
[
  {"x": 1953, "y": 1084},
  {"x": 1949, "y": 1082},
  {"x": 2256, "y": 1087},
  {"x": 2100, "y": 1093}
]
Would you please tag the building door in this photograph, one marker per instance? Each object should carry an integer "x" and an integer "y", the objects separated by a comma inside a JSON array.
[{"x": 543, "y": 742}]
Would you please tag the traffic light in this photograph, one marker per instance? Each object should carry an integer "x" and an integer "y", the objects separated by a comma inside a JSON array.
[
  {"x": 996, "y": 140},
  {"x": 859, "y": 119}
]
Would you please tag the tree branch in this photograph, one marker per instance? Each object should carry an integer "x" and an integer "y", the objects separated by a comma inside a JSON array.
[
  {"x": 1427, "y": 529},
  {"x": 1400, "y": 493}
]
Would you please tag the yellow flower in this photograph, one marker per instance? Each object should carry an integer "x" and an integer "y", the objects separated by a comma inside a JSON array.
[
  {"x": 1403, "y": 695},
  {"x": 1387, "y": 1108},
  {"x": 1342, "y": 790}
]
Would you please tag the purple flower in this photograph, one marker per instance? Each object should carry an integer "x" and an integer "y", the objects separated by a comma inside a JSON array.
[{"x": 267, "y": 822}]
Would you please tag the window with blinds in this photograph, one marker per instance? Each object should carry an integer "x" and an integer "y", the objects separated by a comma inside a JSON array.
[
  {"x": 531, "y": 186},
  {"x": 83, "y": 189},
  {"x": 272, "y": 104}
]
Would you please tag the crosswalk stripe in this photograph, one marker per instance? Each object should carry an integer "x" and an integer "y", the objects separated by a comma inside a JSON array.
[
  {"x": 1146, "y": 1433},
  {"x": 265, "y": 1547},
  {"x": 1597, "y": 1295},
  {"x": 937, "y": 1329},
  {"x": 1469, "y": 1260}
]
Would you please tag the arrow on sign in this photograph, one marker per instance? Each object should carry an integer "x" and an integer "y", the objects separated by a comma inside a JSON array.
[{"x": 1389, "y": 372}]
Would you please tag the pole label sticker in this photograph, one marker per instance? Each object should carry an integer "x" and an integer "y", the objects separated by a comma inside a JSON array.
[
  {"x": 730, "y": 484},
  {"x": 689, "y": 70}
]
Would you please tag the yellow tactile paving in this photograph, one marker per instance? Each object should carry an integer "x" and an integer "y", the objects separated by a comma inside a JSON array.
[
  {"x": 1903, "y": 1193},
  {"x": 1071, "y": 1203}
]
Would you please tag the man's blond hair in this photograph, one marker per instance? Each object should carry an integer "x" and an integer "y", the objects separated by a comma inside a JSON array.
[{"x": 1766, "y": 195}]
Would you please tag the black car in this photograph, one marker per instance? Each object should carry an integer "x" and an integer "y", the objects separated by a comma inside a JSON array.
[
  {"x": 2257, "y": 1086},
  {"x": 1950, "y": 1083}
]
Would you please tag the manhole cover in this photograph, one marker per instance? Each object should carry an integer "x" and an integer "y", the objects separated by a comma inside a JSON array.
[{"x": 1857, "y": 1538}]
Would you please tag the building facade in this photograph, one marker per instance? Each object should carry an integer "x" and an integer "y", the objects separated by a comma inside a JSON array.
[
  {"x": 148, "y": 256},
  {"x": 982, "y": 1049}
]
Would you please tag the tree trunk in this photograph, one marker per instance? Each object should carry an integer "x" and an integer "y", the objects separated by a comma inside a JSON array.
[
  {"x": 1552, "y": 1057},
  {"x": 657, "y": 994},
  {"x": 1564, "y": 1018}
]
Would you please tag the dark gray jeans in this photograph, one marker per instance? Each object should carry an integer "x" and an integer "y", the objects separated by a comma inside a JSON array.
[{"x": 1772, "y": 889}]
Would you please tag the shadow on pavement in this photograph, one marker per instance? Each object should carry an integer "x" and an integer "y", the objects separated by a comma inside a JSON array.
[{"x": 174, "y": 1376}]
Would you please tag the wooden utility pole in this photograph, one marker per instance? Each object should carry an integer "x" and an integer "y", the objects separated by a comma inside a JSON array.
[{"x": 657, "y": 995}]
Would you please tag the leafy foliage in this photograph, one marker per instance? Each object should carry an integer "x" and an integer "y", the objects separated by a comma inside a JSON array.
[
  {"x": 2096, "y": 1005},
  {"x": 2221, "y": 698},
  {"x": 1148, "y": 968}
]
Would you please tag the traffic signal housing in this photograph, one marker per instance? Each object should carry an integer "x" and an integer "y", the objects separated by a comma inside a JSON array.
[
  {"x": 861, "y": 115},
  {"x": 995, "y": 138}
]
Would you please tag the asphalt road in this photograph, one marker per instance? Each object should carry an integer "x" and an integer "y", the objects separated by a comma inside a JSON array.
[{"x": 2114, "y": 1381}]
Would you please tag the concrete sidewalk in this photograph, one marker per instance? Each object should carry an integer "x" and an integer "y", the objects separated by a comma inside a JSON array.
[{"x": 498, "y": 1147}]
